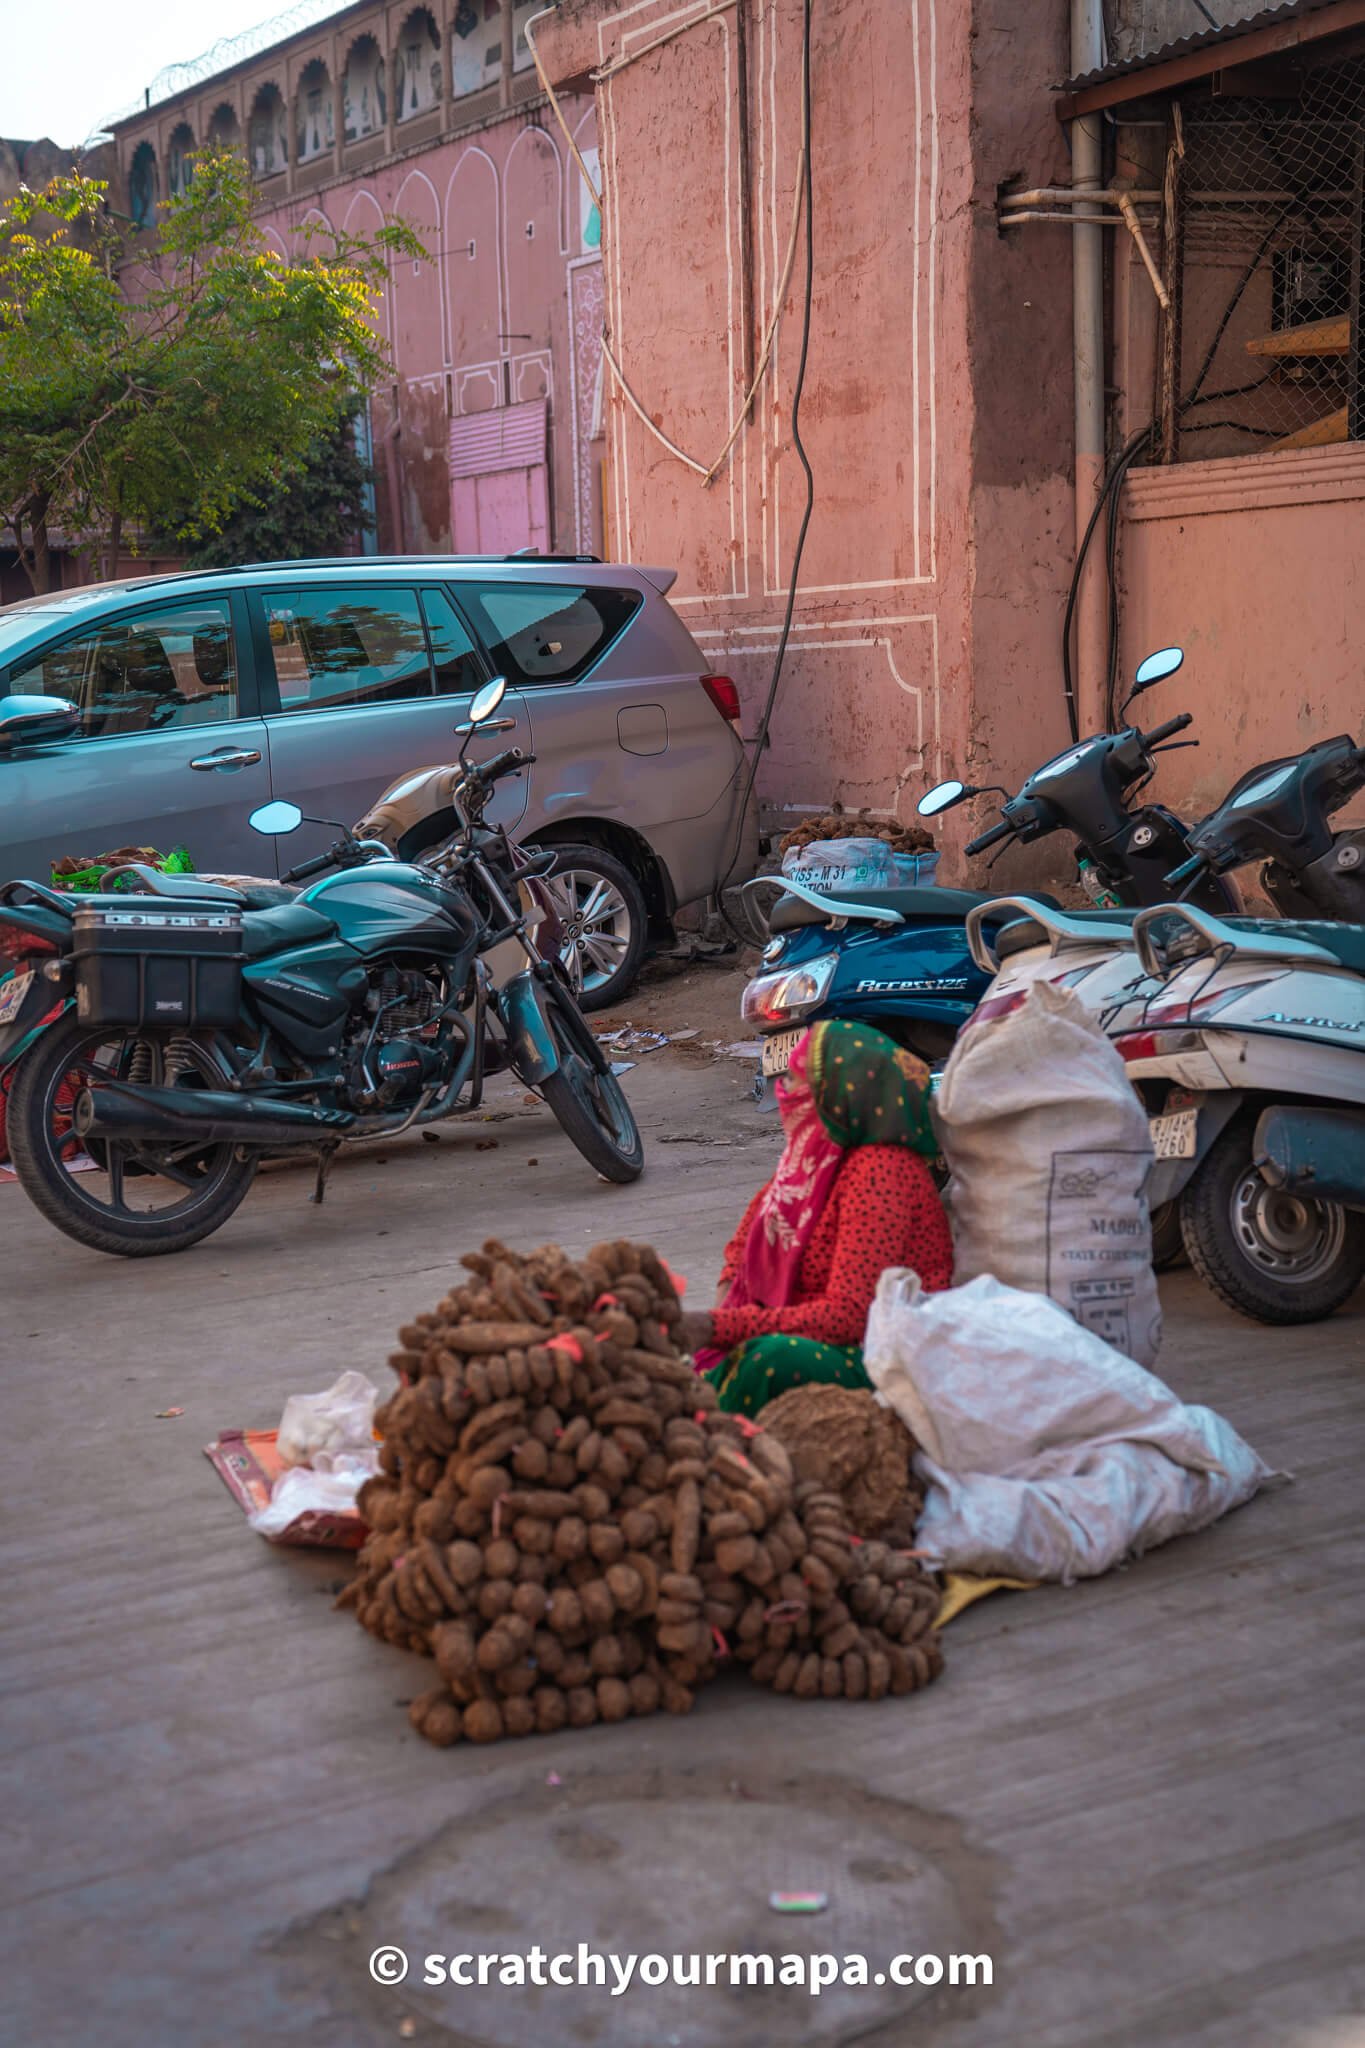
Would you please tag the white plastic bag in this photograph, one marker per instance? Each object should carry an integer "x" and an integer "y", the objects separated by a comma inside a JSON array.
[
  {"x": 339, "y": 1419},
  {"x": 330, "y": 1489},
  {"x": 1047, "y": 1454},
  {"x": 834, "y": 864},
  {"x": 1050, "y": 1152}
]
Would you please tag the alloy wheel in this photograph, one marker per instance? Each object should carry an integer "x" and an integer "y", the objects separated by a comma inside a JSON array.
[{"x": 596, "y": 921}]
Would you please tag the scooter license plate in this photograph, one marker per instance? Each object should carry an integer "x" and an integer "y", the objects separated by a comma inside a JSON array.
[
  {"x": 12, "y": 993},
  {"x": 1175, "y": 1136},
  {"x": 777, "y": 1052}
]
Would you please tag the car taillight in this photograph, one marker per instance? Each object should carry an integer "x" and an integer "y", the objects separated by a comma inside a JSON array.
[
  {"x": 723, "y": 695},
  {"x": 17, "y": 946}
]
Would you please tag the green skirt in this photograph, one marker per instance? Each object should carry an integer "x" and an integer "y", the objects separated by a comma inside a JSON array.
[{"x": 758, "y": 1371}]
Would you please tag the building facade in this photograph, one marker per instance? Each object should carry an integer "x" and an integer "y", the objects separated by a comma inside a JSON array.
[
  {"x": 945, "y": 378},
  {"x": 487, "y": 436}
]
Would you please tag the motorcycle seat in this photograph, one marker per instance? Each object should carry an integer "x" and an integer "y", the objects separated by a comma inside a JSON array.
[
  {"x": 916, "y": 906},
  {"x": 287, "y": 924},
  {"x": 209, "y": 889}
]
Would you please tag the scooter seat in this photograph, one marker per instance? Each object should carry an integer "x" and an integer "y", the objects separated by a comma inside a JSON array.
[
  {"x": 1025, "y": 932},
  {"x": 1345, "y": 942},
  {"x": 916, "y": 906},
  {"x": 288, "y": 924}
]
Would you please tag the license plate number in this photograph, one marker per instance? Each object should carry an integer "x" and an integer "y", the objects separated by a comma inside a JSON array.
[
  {"x": 1175, "y": 1136},
  {"x": 777, "y": 1052},
  {"x": 12, "y": 994}
]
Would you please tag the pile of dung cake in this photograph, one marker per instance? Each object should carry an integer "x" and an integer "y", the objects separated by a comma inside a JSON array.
[{"x": 565, "y": 1521}]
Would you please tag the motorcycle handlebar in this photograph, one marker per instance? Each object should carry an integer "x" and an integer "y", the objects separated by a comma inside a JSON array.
[
  {"x": 314, "y": 866},
  {"x": 991, "y": 838},
  {"x": 1164, "y": 732},
  {"x": 511, "y": 757}
]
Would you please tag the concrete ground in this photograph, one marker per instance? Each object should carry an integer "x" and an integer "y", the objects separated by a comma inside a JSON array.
[{"x": 1141, "y": 1796}]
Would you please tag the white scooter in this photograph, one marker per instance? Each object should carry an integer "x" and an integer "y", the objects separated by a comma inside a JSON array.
[
  {"x": 1251, "y": 1057},
  {"x": 1259, "y": 1137}
]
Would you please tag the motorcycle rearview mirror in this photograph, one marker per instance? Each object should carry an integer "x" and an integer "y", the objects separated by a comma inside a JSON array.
[
  {"x": 486, "y": 701},
  {"x": 481, "y": 708},
  {"x": 1155, "y": 669},
  {"x": 275, "y": 820},
  {"x": 942, "y": 797}
]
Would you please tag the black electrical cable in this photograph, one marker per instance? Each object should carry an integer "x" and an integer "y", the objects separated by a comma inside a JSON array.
[
  {"x": 1117, "y": 470},
  {"x": 799, "y": 445}
]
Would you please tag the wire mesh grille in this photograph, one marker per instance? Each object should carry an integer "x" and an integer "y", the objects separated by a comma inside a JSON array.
[{"x": 1269, "y": 217}]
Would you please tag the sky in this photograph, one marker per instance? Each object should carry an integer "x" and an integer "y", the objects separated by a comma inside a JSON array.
[{"x": 66, "y": 65}]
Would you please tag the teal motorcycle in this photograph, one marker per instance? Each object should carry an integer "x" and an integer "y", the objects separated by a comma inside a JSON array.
[{"x": 165, "y": 1035}]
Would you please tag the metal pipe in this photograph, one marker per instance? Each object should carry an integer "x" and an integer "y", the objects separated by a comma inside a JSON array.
[
  {"x": 1090, "y": 220},
  {"x": 1087, "y": 323},
  {"x": 1044, "y": 194}
]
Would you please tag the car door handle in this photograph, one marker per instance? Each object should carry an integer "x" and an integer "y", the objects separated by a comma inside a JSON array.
[
  {"x": 489, "y": 725},
  {"x": 230, "y": 757}
]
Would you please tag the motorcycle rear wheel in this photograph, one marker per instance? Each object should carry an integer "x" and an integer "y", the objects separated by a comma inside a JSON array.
[
  {"x": 93, "y": 1205},
  {"x": 1274, "y": 1257}
]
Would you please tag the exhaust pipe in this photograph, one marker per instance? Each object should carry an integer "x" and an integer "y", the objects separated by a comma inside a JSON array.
[{"x": 123, "y": 1110}]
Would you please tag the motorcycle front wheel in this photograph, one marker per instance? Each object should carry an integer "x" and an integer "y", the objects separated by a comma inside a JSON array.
[
  {"x": 591, "y": 1105},
  {"x": 132, "y": 1199}
]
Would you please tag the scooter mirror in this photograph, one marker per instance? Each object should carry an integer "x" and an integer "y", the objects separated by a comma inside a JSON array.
[
  {"x": 275, "y": 820},
  {"x": 941, "y": 797},
  {"x": 1156, "y": 668},
  {"x": 487, "y": 700}
]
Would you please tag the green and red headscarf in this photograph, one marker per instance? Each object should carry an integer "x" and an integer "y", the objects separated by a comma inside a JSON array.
[{"x": 847, "y": 1085}]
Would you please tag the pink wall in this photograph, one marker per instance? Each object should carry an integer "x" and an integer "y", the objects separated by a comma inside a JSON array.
[
  {"x": 937, "y": 401},
  {"x": 1253, "y": 565}
]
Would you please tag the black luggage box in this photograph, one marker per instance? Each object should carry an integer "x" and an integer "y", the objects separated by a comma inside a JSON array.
[{"x": 143, "y": 961}]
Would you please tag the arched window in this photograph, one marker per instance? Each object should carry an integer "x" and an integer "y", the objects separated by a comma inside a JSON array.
[
  {"x": 225, "y": 130},
  {"x": 365, "y": 107},
  {"x": 144, "y": 185},
  {"x": 314, "y": 121},
  {"x": 417, "y": 66},
  {"x": 180, "y": 159},
  {"x": 267, "y": 133},
  {"x": 475, "y": 46}
]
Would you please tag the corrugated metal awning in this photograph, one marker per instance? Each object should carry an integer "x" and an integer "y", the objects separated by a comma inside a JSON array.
[
  {"x": 1268, "y": 33},
  {"x": 507, "y": 437}
]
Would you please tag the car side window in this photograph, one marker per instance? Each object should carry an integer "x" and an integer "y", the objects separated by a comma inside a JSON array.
[
  {"x": 143, "y": 671},
  {"x": 454, "y": 656},
  {"x": 347, "y": 644},
  {"x": 548, "y": 632}
]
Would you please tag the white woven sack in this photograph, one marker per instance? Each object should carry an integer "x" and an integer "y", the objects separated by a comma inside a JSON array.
[
  {"x": 1046, "y": 1453},
  {"x": 1050, "y": 1153}
]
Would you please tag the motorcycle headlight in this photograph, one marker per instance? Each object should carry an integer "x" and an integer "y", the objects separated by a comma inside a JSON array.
[{"x": 789, "y": 995}]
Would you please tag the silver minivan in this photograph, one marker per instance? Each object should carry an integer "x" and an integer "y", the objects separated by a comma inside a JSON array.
[{"x": 202, "y": 695}]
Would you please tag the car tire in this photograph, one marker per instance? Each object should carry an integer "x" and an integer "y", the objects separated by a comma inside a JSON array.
[
  {"x": 1274, "y": 1257},
  {"x": 602, "y": 909}
]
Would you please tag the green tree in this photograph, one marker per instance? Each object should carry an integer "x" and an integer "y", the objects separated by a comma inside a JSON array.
[
  {"x": 160, "y": 392},
  {"x": 315, "y": 509}
]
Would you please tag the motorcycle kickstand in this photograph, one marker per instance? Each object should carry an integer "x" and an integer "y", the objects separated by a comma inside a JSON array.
[{"x": 326, "y": 1154}]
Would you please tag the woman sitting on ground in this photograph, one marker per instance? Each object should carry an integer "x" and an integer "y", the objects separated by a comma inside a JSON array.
[{"x": 852, "y": 1195}]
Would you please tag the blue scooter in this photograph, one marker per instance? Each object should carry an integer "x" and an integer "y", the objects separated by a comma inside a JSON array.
[{"x": 899, "y": 959}]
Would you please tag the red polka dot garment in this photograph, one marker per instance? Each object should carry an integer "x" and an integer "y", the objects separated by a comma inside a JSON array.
[{"x": 883, "y": 1210}]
